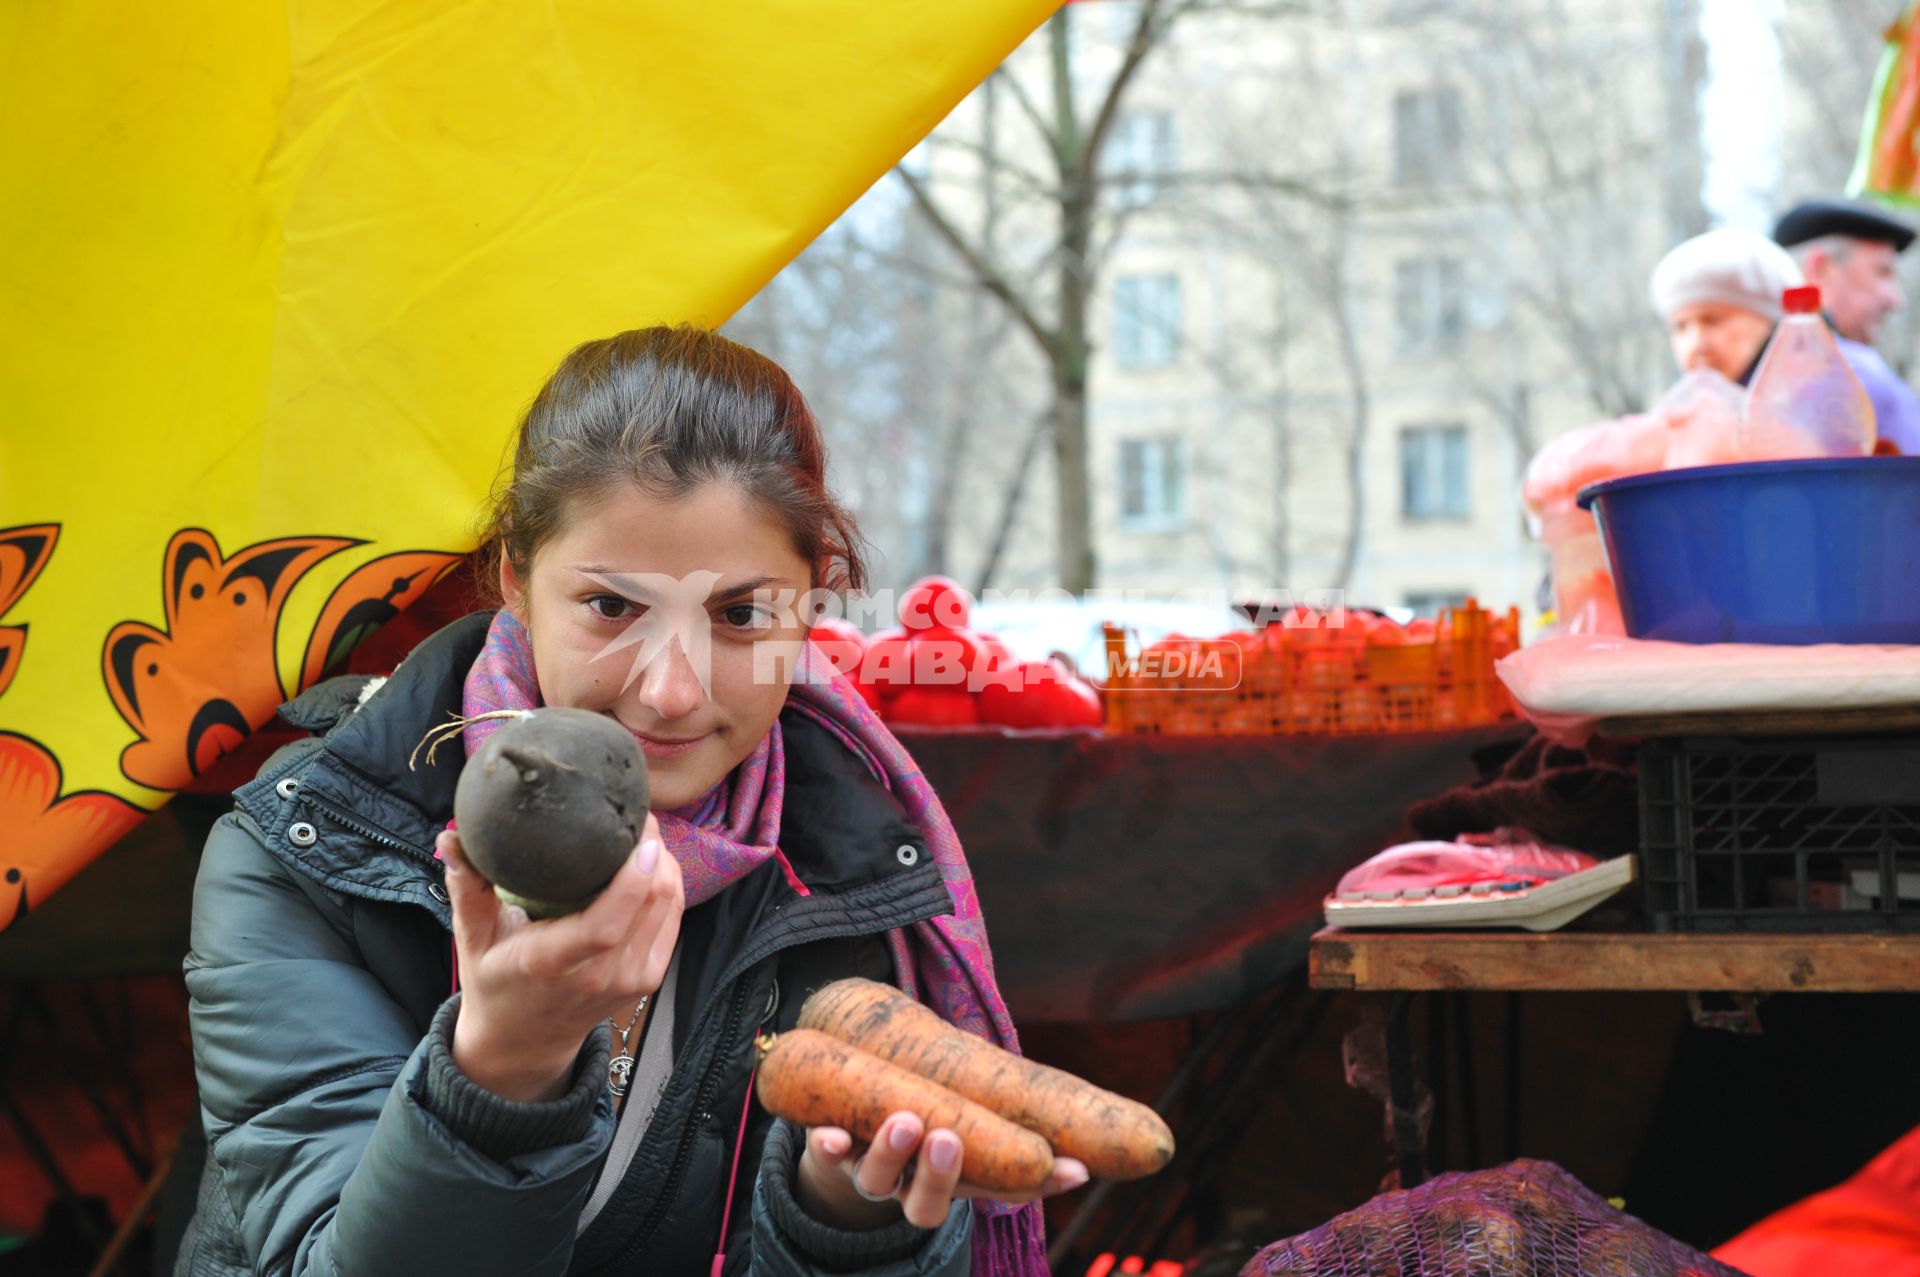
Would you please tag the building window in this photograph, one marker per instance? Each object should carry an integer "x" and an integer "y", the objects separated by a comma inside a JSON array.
[
  {"x": 1434, "y": 602},
  {"x": 1427, "y": 136},
  {"x": 1153, "y": 483},
  {"x": 1433, "y": 472},
  {"x": 1140, "y": 154},
  {"x": 1146, "y": 320},
  {"x": 1427, "y": 304},
  {"x": 1427, "y": 298}
]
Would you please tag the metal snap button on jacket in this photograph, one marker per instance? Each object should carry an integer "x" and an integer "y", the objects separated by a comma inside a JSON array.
[
  {"x": 286, "y": 787},
  {"x": 438, "y": 892},
  {"x": 907, "y": 854},
  {"x": 301, "y": 834}
]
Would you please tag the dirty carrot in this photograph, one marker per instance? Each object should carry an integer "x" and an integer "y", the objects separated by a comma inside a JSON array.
[
  {"x": 816, "y": 1080},
  {"x": 1116, "y": 1137}
]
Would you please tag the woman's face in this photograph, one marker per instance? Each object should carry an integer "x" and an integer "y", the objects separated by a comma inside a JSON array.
[
  {"x": 1715, "y": 335},
  {"x": 663, "y": 614}
]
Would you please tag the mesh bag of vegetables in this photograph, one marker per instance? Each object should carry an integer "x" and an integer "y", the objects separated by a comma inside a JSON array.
[{"x": 1524, "y": 1219}]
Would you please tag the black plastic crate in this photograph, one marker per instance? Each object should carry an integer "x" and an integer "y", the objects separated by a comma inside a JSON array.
[{"x": 1783, "y": 834}]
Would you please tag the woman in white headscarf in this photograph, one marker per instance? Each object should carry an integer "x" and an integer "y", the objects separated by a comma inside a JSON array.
[{"x": 1719, "y": 297}]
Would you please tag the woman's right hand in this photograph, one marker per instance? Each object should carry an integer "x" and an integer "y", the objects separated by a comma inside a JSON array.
[{"x": 532, "y": 992}]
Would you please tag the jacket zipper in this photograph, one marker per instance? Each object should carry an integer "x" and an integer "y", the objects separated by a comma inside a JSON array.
[
  {"x": 703, "y": 1101},
  {"x": 778, "y": 938},
  {"x": 341, "y": 817},
  {"x": 710, "y": 1083}
]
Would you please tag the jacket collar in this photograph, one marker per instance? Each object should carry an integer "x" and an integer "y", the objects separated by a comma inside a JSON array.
[
  {"x": 361, "y": 803},
  {"x": 379, "y": 742}
]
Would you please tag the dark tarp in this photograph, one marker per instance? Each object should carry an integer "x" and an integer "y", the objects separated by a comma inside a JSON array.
[{"x": 1133, "y": 877}]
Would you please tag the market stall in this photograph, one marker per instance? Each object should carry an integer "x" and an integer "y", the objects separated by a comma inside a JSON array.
[{"x": 1187, "y": 872}]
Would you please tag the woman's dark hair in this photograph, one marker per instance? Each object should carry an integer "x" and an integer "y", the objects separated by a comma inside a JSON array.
[{"x": 671, "y": 409}]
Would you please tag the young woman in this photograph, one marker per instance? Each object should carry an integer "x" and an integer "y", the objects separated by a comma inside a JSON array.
[{"x": 582, "y": 1102}]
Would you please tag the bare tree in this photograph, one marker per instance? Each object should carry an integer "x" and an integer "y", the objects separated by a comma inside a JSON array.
[
  {"x": 839, "y": 330},
  {"x": 863, "y": 320},
  {"x": 1538, "y": 209},
  {"x": 1567, "y": 172},
  {"x": 971, "y": 409},
  {"x": 973, "y": 315},
  {"x": 1829, "y": 50},
  {"x": 1054, "y": 313}
]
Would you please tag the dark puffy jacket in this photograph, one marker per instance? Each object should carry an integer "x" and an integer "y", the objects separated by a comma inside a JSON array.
[{"x": 341, "y": 1138}]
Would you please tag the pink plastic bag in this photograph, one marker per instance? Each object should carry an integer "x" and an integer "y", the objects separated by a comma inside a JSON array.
[
  {"x": 1699, "y": 421},
  {"x": 1505, "y": 855},
  {"x": 1589, "y": 454},
  {"x": 1705, "y": 419}
]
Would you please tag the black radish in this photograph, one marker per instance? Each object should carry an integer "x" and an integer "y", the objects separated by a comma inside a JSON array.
[{"x": 551, "y": 806}]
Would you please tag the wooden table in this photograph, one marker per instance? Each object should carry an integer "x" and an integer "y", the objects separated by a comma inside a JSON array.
[
  {"x": 1593, "y": 961},
  {"x": 1406, "y": 963}
]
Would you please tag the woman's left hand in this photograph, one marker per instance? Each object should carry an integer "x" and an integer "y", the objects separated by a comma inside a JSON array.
[{"x": 907, "y": 1170}]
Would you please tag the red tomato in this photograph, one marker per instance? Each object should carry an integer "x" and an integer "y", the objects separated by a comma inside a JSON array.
[
  {"x": 934, "y": 657},
  {"x": 936, "y": 601},
  {"x": 1348, "y": 628},
  {"x": 1003, "y": 694},
  {"x": 841, "y": 628},
  {"x": 841, "y": 642},
  {"x": 1385, "y": 632},
  {"x": 887, "y": 666},
  {"x": 998, "y": 670},
  {"x": 1168, "y": 662},
  {"x": 1202, "y": 664},
  {"x": 1253, "y": 654},
  {"x": 1307, "y": 633},
  {"x": 935, "y": 706},
  {"x": 948, "y": 658},
  {"x": 1039, "y": 694},
  {"x": 1074, "y": 703}
]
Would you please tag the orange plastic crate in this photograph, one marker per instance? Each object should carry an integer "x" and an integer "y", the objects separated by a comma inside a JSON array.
[{"x": 1321, "y": 681}]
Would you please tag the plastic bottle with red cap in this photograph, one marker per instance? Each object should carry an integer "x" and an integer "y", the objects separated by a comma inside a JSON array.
[{"x": 1804, "y": 400}]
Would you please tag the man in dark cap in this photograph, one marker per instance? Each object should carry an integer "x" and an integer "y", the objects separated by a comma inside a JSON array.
[{"x": 1848, "y": 250}]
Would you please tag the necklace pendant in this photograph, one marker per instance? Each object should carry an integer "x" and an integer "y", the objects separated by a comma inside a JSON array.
[{"x": 620, "y": 1072}]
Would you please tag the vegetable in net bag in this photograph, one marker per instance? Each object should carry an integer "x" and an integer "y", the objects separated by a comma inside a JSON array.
[{"x": 1524, "y": 1219}]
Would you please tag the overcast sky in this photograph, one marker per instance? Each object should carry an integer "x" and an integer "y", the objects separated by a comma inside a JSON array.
[{"x": 1740, "y": 110}]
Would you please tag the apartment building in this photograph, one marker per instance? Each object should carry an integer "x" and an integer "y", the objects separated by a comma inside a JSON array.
[{"x": 1357, "y": 261}]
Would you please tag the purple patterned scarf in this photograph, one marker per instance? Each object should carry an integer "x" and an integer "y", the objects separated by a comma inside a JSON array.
[{"x": 735, "y": 828}]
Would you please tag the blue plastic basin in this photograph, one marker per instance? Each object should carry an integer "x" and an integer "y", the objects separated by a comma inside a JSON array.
[{"x": 1816, "y": 551}]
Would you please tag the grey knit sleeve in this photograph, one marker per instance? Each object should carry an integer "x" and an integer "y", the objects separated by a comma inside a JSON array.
[
  {"x": 895, "y": 1247},
  {"x": 502, "y": 1128}
]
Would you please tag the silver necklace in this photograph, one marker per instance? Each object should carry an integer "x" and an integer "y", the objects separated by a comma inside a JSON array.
[{"x": 620, "y": 1067}]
